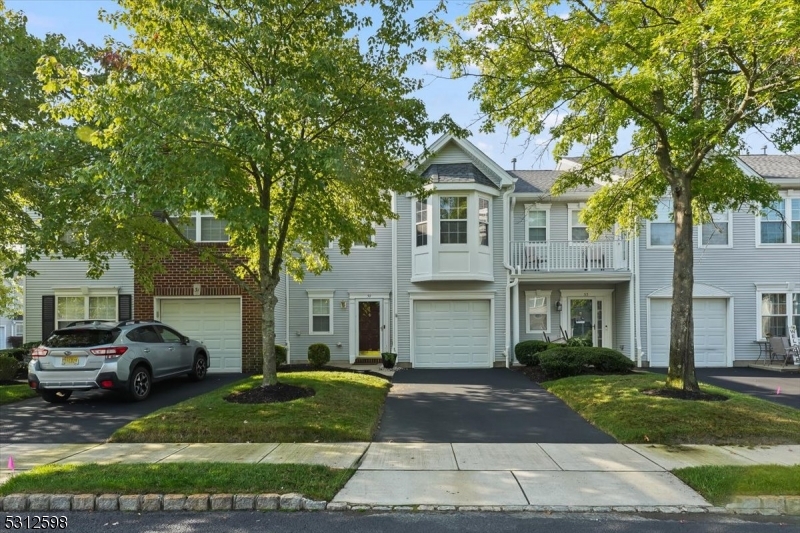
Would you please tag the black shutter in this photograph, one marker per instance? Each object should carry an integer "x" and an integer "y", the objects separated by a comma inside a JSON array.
[
  {"x": 124, "y": 303},
  {"x": 48, "y": 315}
]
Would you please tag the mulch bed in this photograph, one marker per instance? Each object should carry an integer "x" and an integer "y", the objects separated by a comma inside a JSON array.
[
  {"x": 533, "y": 373},
  {"x": 309, "y": 368},
  {"x": 680, "y": 394},
  {"x": 281, "y": 392}
]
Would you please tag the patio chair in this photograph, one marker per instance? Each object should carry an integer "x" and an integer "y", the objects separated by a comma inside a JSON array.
[
  {"x": 794, "y": 344},
  {"x": 781, "y": 349}
]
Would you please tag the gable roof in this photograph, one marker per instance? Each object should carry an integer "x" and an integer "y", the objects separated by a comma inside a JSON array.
[
  {"x": 773, "y": 166},
  {"x": 541, "y": 182},
  {"x": 490, "y": 169},
  {"x": 456, "y": 173}
]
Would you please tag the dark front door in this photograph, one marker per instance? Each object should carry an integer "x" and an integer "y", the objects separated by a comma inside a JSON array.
[{"x": 369, "y": 328}]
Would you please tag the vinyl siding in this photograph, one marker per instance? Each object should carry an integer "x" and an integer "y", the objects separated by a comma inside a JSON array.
[
  {"x": 364, "y": 270},
  {"x": 65, "y": 273},
  {"x": 404, "y": 285},
  {"x": 736, "y": 270}
]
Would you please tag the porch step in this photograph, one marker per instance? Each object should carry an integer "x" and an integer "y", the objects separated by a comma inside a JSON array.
[
  {"x": 777, "y": 367},
  {"x": 367, "y": 360}
]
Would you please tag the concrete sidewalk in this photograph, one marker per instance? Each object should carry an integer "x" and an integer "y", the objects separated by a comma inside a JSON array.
[{"x": 457, "y": 474}]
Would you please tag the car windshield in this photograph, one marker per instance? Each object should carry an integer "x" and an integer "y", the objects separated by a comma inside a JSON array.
[{"x": 81, "y": 338}]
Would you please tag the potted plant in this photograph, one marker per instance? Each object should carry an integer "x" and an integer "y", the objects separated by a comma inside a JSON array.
[{"x": 388, "y": 359}]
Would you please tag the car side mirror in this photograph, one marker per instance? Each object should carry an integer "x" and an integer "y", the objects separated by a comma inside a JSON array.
[{"x": 184, "y": 340}]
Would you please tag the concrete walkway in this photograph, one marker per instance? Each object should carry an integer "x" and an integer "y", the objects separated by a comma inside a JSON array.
[{"x": 458, "y": 474}]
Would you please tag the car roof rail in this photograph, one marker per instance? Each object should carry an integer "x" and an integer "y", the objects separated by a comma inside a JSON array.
[
  {"x": 138, "y": 321},
  {"x": 86, "y": 322}
]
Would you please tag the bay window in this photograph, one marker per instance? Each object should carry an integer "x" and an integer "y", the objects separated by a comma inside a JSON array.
[
  {"x": 483, "y": 221},
  {"x": 422, "y": 222},
  {"x": 453, "y": 220}
]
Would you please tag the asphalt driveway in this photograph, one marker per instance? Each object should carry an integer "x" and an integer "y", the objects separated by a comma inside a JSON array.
[
  {"x": 491, "y": 406},
  {"x": 94, "y": 416},
  {"x": 762, "y": 384}
]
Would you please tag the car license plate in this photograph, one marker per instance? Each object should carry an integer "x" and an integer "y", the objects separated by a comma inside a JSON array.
[{"x": 67, "y": 361}]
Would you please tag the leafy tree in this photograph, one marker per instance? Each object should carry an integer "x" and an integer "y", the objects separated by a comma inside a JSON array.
[
  {"x": 688, "y": 78},
  {"x": 37, "y": 152},
  {"x": 278, "y": 117}
]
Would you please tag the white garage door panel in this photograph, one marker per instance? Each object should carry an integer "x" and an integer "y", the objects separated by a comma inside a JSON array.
[
  {"x": 214, "y": 321},
  {"x": 710, "y": 332},
  {"x": 451, "y": 334}
]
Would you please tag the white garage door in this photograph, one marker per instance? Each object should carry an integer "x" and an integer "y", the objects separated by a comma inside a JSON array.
[
  {"x": 452, "y": 334},
  {"x": 214, "y": 321},
  {"x": 710, "y": 332}
]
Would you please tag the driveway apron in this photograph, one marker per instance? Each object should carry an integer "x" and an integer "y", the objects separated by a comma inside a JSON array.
[{"x": 471, "y": 406}]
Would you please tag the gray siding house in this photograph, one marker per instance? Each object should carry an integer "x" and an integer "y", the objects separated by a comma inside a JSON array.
[{"x": 490, "y": 258}]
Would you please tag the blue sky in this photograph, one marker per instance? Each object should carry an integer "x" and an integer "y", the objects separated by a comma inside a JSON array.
[{"x": 77, "y": 19}]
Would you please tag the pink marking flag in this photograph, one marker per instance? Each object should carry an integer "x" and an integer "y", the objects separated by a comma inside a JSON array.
[{"x": 10, "y": 463}]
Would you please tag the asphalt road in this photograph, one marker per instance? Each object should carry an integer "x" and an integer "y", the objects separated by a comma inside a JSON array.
[
  {"x": 482, "y": 405},
  {"x": 94, "y": 416},
  {"x": 242, "y": 522}
]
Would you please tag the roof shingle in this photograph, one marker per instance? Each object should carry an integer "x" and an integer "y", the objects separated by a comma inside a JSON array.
[{"x": 456, "y": 173}]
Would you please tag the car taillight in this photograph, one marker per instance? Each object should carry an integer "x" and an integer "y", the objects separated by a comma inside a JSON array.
[
  {"x": 110, "y": 353},
  {"x": 38, "y": 352}
]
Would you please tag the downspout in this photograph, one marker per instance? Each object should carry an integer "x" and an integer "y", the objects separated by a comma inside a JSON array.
[
  {"x": 638, "y": 303},
  {"x": 632, "y": 300},
  {"x": 510, "y": 284},
  {"x": 393, "y": 347}
]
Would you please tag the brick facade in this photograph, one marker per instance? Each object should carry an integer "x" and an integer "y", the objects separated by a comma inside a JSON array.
[{"x": 182, "y": 271}]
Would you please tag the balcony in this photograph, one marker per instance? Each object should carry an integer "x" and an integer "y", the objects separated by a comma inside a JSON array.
[{"x": 609, "y": 255}]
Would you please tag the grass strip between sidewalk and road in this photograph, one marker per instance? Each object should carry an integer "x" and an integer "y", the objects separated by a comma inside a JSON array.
[
  {"x": 313, "y": 481},
  {"x": 616, "y": 405},
  {"x": 719, "y": 484},
  {"x": 15, "y": 393},
  {"x": 346, "y": 408}
]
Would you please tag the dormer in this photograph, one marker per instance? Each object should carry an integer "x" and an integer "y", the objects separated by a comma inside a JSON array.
[{"x": 453, "y": 230}]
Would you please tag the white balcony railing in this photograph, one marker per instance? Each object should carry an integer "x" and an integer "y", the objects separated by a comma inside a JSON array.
[{"x": 570, "y": 256}]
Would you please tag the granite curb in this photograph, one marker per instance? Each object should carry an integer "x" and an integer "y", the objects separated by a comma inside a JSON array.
[{"x": 764, "y": 505}]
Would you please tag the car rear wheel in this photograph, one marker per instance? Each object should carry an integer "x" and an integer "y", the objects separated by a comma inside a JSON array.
[
  {"x": 139, "y": 384},
  {"x": 199, "y": 368},
  {"x": 56, "y": 396}
]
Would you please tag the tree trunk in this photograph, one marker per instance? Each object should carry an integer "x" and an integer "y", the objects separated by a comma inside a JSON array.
[
  {"x": 270, "y": 367},
  {"x": 681, "y": 373}
]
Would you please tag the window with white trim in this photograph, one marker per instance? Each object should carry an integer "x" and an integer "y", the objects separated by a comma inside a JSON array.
[
  {"x": 320, "y": 315},
  {"x": 780, "y": 222},
  {"x": 453, "y": 220},
  {"x": 537, "y": 310},
  {"x": 73, "y": 308},
  {"x": 577, "y": 229},
  {"x": 661, "y": 230},
  {"x": 422, "y": 222},
  {"x": 537, "y": 225},
  {"x": 778, "y": 309},
  {"x": 483, "y": 221},
  {"x": 716, "y": 232},
  {"x": 203, "y": 227},
  {"x": 19, "y": 329}
]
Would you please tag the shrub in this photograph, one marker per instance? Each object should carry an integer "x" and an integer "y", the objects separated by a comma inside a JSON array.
[
  {"x": 9, "y": 367},
  {"x": 561, "y": 363},
  {"x": 605, "y": 359},
  {"x": 280, "y": 355},
  {"x": 20, "y": 354},
  {"x": 527, "y": 352},
  {"x": 318, "y": 355},
  {"x": 574, "y": 360},
  {"x": 575, "y": 342}
]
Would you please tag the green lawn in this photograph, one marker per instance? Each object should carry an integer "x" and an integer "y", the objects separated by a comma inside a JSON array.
[
  {"x": 616, "y": 405},
  {"x": 346, "y": 407},
  {"x": 719, "y": 484},
  {"x": 313, "y": 481},
  {"x": 15, "y": 393}
]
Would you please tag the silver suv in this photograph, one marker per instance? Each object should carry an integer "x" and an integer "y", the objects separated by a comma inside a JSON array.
[{"x": 127, "y": 356}]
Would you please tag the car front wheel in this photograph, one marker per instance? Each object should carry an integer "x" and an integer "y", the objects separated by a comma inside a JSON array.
[
  {"x": 56, "y": 396},
  {"x": 199, "y": 368},
  {"x": 139, "y": 384}
]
